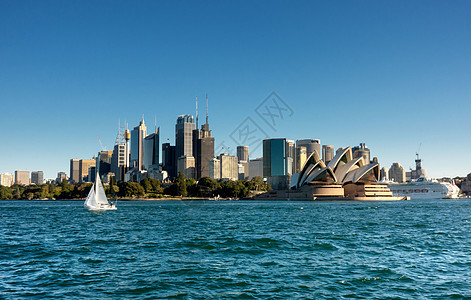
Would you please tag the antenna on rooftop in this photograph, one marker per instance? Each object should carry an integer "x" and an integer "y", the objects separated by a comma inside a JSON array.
[
  {"x": 196, "y": 112},
  {"x": 206, "y": 108}
]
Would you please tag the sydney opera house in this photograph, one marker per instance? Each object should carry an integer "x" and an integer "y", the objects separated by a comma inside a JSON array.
[{"x": 343, "y": 178}]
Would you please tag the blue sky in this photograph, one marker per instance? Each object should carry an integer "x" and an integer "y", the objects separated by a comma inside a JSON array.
[{"x": 392, "y": 74}]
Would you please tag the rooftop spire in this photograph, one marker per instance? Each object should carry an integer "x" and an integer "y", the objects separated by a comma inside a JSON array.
[
  {"x": 196, "y": 112},
  {"x": 207, "y": 108}
]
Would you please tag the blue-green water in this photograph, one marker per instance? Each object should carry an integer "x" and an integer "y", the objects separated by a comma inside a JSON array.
[{"x": 236, "y": 249}]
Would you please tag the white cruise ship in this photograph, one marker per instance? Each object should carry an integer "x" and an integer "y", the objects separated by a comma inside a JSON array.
[{"x": 424, "y": 189}]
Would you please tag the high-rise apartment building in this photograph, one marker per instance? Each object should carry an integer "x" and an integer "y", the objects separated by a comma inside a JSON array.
[
  {"x": 22, "y": 177},
  {"x": 215, "y": 168},
  {"x": 137, "y": 146},
  {"x": 6, "y": 179},
  {"x": 74, "y": 170},
  {"x": 61, "y": 176},
  {"x": 151, "y": 149},
  {"x": 37, "y": 177},
  {"x": 229, "y": 167}
]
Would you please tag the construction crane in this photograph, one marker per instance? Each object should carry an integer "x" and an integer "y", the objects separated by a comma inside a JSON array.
[{"x": 103, "y": 148}]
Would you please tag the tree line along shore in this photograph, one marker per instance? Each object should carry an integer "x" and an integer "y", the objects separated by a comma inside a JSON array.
[{"x": 146, "y": 189}]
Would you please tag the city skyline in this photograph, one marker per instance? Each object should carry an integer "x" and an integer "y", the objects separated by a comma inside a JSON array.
[{"x": 399, "y": 71}]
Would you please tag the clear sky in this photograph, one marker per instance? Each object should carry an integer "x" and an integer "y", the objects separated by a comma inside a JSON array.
[{"x": 391, "y": 74}]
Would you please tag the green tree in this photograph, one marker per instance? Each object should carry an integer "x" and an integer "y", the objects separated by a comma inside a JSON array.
[
  {"x": 181, "y": 184},
  {"x": 5, "y": 193}
]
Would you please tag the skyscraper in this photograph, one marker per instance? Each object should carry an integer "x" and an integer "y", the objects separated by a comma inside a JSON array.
[
  {"x": 255, "y": 168},
  {"x": 290, "y": 157},
  {"x": 137, "y": 145},
  {"x": 6, "y": 179},
  {"x": 362, "y": 151},
  {"x": 103, "y": 163},
  {"x": 169, "y": 162},
  {"x": 184, "y": 136},
  {"x": 186, "y": 165},
  {"x": 37, "y": 177},
  {"x": 151, "y": 149},
  {"x": 300, "y": 158},
  {"x": 120, "y": 156},
  {"x": 75, "y": 170},
  {"x": 229, "y": 167},
  {"x": 22, "y": 177},
  {"x": 243, "y": 153},
  {"x": 327, "y": 153},
  {"x": 215, "y": 168},
  {"x": 274, "y": 157},
  {"x": 397, "y": 173},
  {"x": 311, "y": 145},
  {"x": 84, "y": 166},
  {"x": 203, "y": 148}
]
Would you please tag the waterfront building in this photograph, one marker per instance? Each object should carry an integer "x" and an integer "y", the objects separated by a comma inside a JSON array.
[
  {"x": 229, "y": 167},
  {"x": 137, "y": 146},
  {"x": 151, "y": 150},
  {"x": 184, "y": 136},
  {"x": 362, "y": 151},
  {"x": 37, "y": 177},
  {"x": 397, "y": 173},
  {"x": 256, "y": 168},
  {"x": 243, "y": 153},
  {"x": 274, "y": 157},
  {"x": 103, "y": 163},
  {"x": 311, "y": 145},
  {"x": 22, "y": 177},
  {"x": 327, "y": 153},
  {"x": 75, "y": 170},
  {"x": 169, "y": 160},
  {"x": 290, "y": 157},
  {"x": 300, "y": 158},
  {"x": 61, "y": 176},
  {"x": 215, "y": 168},
  {"x": 84, "y": 166},
  {"x": 6, "y": 179},
  {"x": 383, "y": 173},
  {"x": 186, "y": 165}
]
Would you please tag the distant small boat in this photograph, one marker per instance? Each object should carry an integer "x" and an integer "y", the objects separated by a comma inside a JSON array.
[{"x": 96, "y": 199}]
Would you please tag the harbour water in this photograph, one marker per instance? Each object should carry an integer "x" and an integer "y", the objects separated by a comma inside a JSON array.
[{"x": 236, "y": 249}]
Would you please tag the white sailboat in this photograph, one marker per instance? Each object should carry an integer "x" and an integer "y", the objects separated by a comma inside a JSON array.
[{"x": 96, "y": 199}]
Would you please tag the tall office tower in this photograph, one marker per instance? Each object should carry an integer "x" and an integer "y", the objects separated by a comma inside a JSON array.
[
  {"x": 103, "y": 162},
  {"x": 6, "y": 179},
  {"x": 290, "y": 157},
  {"x": 229, "y": 167},
  {"x": 186, "y": 165},
  {"x": 74, "y": 171},
  {"x": 327, "y": 153},
  {"x": 300, "y": 158},
  {"x": 243, "y": 153},
  {"x": 274, "y": 157},
  {"x": 397, "y": 173},
  {"x": 151, "y": 150},
  {"x": 311, "y": 145},
  {"x": 37, "y": 177},
  {"x": 215, "y": 168},
  {"x": 362, "y": 151},
  {"x": 137, "y": 145},
  {"x": 61, "y": 176},
  {"x": 84, "y": 165},
  {"x": 169, "y": 161},
  {"x": 256, "y": 168},
  {"x": 118, "y": 161},
  {"x": 203, "y": 147},
  {"x": 383, "y": 174},
  {"x": 184, "y": 136},
  {"x": 22, "y": 177}
]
